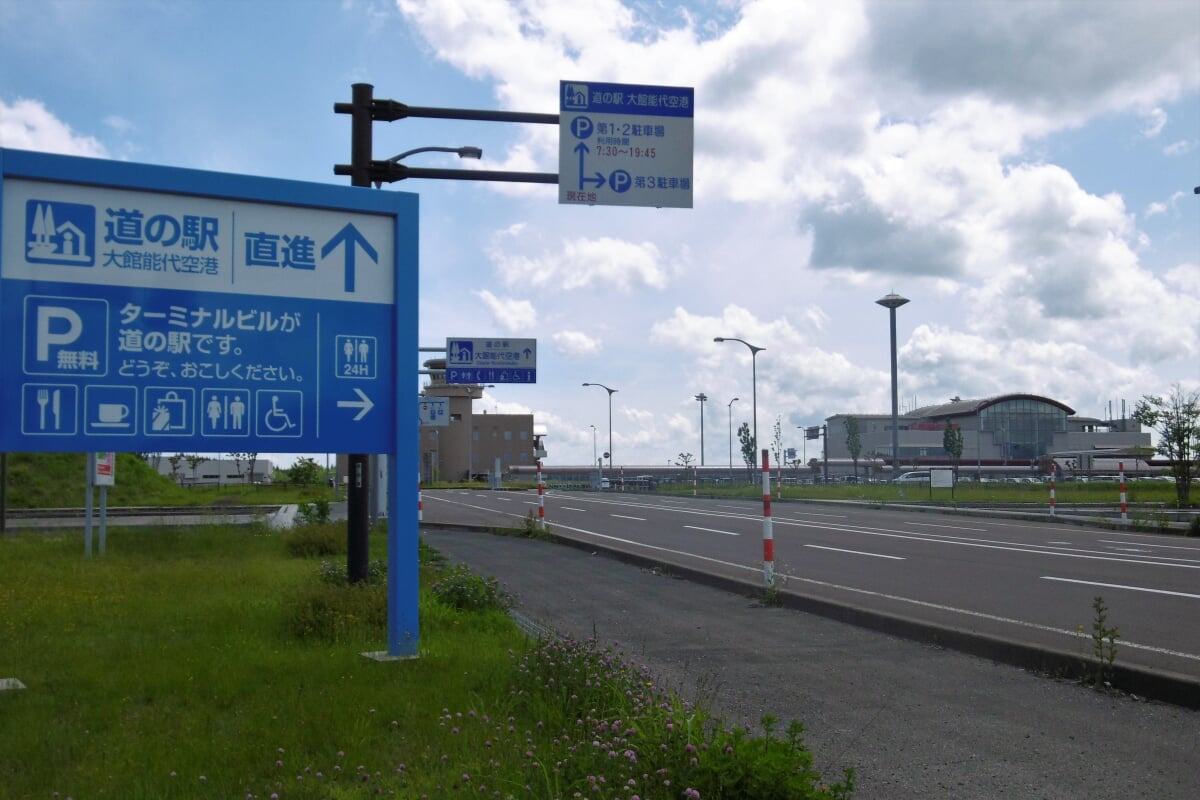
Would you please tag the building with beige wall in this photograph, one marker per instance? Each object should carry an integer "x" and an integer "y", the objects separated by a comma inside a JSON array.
[{"x": 477, "y": 438}]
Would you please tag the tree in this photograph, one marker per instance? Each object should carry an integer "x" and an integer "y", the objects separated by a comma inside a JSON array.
[
  {"x": 175, "y": 461},
  {"x": 777, "y": 447},
  {"x": 305, "y": 470},
  {"x": 684, "y": 460},
  {"x": 749, "y": 446},
  {"x": 1176, "y": 419},
  {"x": 952, "y": 443},
  {"x": 194, "y": 460},
  {"x": 853, "y": 441},
  {"x": 238, "y": 458}
]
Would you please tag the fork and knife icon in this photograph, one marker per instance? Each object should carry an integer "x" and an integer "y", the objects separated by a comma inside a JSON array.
[{"x": 52, "y": 398}]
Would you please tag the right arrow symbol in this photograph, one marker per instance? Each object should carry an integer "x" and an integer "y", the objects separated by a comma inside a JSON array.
[{"x": 364, "y": 403}]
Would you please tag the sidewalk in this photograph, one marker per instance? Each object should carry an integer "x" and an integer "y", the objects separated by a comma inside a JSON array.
[{"x": 913, "y": 721}]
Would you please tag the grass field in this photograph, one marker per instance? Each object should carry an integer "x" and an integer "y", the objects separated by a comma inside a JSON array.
[{"x": 208, "y": 662}]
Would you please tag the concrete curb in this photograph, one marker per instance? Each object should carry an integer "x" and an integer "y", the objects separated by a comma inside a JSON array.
[{"x": 1168, "y": 687}]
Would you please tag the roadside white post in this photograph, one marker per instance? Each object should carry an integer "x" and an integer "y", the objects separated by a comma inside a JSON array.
[
  {"x": 768, "y": 539},
  {"x": 1052, "y": 491},
  {"x": 541, "y": 498},
  {"x": 1124, "y": 516}
]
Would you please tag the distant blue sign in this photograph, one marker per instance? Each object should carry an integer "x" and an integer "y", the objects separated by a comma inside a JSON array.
[
  {"x": 152, "y": 309},
  {"x": 491, "y": 360},
  {"x": 434, "y": 411}
]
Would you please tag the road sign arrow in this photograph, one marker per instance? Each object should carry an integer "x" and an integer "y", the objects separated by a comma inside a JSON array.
[
  {"x": 364, "y": 403},
  {"x": 351, "y": 237},
  {"x": 582, "y": 148}
]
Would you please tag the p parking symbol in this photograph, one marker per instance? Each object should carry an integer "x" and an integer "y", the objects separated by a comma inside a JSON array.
[{"x": 65, "y": 336}]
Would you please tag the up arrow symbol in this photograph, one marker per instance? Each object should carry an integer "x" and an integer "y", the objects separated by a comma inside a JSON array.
[{"x": 351, "y": 237}]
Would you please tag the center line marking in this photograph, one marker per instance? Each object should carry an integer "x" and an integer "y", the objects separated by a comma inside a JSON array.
[
  {"x": 711, "y": 530},
  {"x": 622, "y": 516},
  {"x": 856, "y": 552}
]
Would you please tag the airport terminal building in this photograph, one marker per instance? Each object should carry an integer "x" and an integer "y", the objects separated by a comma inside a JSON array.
[{"x": 1000, "y": 434}]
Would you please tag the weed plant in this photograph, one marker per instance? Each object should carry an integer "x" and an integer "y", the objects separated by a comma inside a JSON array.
[
  {"x": 172, "y": 667},
  {"x": 316, "y": 540}
]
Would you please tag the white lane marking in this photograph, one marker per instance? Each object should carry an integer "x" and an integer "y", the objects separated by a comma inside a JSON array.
[
  {"x": 1122, "y": 586},
  {"x": 1073, "y": 634},
  {"x": 1130, "y": 550},
  {"x": 710, "y": 530},
  {"x": 856, "y": 552},
  {"x": 987, "y": 544},
  {"x": 622, "y": 516},
  {"x": 572, "y": 508},
  {"x": 1059, "y": 543},
  {"x": 1156, "y": 546},
  {"x": 949, "y": 527},
  {"x": 936, "y": 538}
]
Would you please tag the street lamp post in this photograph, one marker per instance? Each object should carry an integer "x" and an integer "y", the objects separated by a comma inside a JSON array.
[
  {"x": 702, "y": 397},
  {"x": 730, "y": 408},
  {"x": 754, "y": 351},
  {"x": 610, "y": 450},
  {"x": 891, "y": 302}
]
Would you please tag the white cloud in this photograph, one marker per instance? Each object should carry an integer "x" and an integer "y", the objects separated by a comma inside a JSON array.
[
  {"x": 576, "y": 343},
  {"x": 509, "y": 313},
  {"x": 1180, "y": 148},
  {"x": 582, "y": 263},
  {"x": 1155, "y": 121},
  {"x": 29, "y": 125}
]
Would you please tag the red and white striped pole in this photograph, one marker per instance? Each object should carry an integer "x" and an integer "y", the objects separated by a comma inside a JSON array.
[
  {"x": 1121, "y": 469},
  {"x": 541, "y": 498},
  {"x": 768, "y": 539},
  {"x": 1052, "y": 490}
]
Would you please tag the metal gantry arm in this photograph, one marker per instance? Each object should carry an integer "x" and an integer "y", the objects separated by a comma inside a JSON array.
[{"x": 364, "y": 170}]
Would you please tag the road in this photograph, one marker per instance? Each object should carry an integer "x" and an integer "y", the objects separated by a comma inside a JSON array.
[{"x": 1016, "y": 580}]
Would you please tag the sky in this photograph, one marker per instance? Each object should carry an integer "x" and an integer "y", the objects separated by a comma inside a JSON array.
[{"x": 1022, "y": 172}]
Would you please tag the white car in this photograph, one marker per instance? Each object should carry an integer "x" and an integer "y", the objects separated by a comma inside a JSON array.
[{"x": 921, "y": 476}]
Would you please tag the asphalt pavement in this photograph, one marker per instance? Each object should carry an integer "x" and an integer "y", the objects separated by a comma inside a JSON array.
[{"x": 912, "y": 720}]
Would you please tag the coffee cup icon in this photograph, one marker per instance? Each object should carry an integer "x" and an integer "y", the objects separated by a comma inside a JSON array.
[{"x": 112, "y": 413}]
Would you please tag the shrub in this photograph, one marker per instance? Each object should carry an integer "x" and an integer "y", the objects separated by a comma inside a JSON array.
[
  {"x": 339, "y": 575},
  {"x": 337, "y": 613},
  {"x": 1193, "y": 528},
  {"x": 311, "y": 541},
  {"x": 465, "y": 591},
  {"x": 316, "y": 512}
]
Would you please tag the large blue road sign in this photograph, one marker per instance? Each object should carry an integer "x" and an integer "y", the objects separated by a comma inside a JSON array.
[
  {"x": 625, "y": 145},
  {"x": 148, "y": 309}
]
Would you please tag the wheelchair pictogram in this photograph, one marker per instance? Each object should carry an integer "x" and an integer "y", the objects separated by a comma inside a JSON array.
[{"x": 280, "y": 412}]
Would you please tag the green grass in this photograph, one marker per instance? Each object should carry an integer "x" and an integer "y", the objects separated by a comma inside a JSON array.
[
  {"x": 57, "y": 480},
  {"x": 183, "y": 665}
]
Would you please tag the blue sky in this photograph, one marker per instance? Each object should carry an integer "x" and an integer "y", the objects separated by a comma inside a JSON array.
[{"x": 1022, "y": 172}]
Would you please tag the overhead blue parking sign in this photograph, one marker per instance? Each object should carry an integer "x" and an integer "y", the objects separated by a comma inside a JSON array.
[
  {"x": 146, "y": 309},
  {"x": 624, "y": 144},
  {"x": 491, "y": 360}
]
